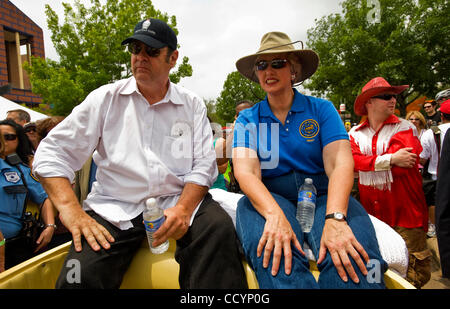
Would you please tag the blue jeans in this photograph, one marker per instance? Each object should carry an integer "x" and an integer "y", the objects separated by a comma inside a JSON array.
[{"x": 250, "y": 226}]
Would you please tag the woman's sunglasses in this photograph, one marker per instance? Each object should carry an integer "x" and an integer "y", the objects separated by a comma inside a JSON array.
[
  {"x": 275, "y": 64},
  {"x": 385, "y": 97},
  {"x": 135, "y": 48},
  {"x": 9, "y": 137}
]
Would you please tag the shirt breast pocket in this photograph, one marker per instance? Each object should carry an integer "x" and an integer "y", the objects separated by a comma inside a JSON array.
[
  {"x": 177, "y": 153},
  {"x": 16, "y": 197}
]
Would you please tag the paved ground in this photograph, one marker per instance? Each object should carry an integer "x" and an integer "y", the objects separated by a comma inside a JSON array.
[{"x": 436, "y": 281}]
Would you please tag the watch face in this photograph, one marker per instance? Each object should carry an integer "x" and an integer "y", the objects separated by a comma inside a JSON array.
[{"x": 339, "y": 216}]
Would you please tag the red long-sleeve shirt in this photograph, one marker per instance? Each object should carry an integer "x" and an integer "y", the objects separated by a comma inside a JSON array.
[{"x": 403, "y": 204}]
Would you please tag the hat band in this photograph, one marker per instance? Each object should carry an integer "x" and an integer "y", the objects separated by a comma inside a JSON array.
[{"x": 270, "y": 48}]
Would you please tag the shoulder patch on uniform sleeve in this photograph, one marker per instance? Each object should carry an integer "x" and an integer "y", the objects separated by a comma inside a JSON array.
[{"x": 34, "y": 177}]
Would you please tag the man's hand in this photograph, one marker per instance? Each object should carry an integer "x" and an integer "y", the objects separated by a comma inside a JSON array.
[
  {"x": 175, "y": 225},
  {"x": 338, "y": 239},
  {"x": 404, "y": 158},
  {"x": 178, "y": 217},
  {"x": 78, "y": 222},
  {"x": 74, "y": 218}
]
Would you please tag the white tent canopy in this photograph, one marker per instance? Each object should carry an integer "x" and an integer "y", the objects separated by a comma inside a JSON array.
[{"x": 7, "y": 105}]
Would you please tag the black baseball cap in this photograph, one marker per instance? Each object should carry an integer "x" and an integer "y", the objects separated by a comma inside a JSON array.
[{"x": 154, "y": 33}]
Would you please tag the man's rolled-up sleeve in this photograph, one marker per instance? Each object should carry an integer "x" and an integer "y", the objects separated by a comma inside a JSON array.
[{"x": 68, "y": 145}]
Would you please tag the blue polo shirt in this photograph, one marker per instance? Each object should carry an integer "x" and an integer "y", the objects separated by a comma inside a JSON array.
[
  {"x": 12, "y": 197},
  {"x": 311, "y": 124}
]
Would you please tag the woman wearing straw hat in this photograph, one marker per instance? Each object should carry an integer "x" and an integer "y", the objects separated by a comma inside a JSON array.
[{"x": 277, "y": 144}]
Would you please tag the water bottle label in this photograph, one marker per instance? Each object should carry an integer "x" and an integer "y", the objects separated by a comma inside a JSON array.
[
  {"x": 153, "y": 226},
  {"x": 307, "y": 196}
]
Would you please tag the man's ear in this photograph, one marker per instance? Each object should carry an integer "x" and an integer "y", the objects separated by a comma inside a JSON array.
[
  {"x": 369, "y": 102},
  {"x": 173, "y": 59}
]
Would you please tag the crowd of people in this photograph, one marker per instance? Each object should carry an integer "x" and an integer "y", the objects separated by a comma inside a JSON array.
[
  {"x": 19, "y": 140},
  {"x": 145, "y": 136}
]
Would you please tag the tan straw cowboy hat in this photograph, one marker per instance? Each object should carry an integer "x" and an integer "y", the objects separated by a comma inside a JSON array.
[{"x": 279, "y": 42}]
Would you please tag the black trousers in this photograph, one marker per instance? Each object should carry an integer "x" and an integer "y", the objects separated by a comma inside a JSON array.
[
  {"x": 208, "y": 254},
  {"x": 443, "y": 206},
  {"x": 17, "y": 250}
]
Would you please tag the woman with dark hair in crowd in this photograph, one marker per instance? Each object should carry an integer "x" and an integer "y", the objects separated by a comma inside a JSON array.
[
  {"x": 2, "y": 239},
  {"x": 17, "y": 185},
  {"x": 16, "y": 141}
]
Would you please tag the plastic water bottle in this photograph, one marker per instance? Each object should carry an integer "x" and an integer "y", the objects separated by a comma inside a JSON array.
[
  {"x": 306, "y": 205},
  {"x": 153, "y": 219}
]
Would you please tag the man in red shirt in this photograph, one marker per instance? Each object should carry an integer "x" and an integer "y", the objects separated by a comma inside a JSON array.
[{"x": 386, "y": 152}]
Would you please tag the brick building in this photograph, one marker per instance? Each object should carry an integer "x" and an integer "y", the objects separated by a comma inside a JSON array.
[{"x": 20, "y": 38}]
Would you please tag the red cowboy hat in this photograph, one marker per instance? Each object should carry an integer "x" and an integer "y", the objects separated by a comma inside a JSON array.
[
  {"x": 372, "y": 88},
  {"x": 445, "y": 107}
]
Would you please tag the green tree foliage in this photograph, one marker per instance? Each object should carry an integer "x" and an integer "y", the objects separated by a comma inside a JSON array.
[
  {"x": 236, "y": 88},
  {"x": 89, "y": 47},
  {"x": 404, "y": 41}
]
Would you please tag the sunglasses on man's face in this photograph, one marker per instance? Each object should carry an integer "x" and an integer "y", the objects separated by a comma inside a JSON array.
[
  {"x": 428, "y": 106},
  {"x": 275, "y": 64},
  {"x": 385, "y": 97},
  {"x": 135, "y": 48},
  {"x": 9, "y": 137}
]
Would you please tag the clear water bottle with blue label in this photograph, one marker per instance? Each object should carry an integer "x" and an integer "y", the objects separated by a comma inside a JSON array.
[
  {"x": 306, "y": 205},
  {"x": 153, "y": 219}
]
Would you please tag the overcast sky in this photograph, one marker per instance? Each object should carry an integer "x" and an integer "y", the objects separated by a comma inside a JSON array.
[{"x": 214, "y": 34}]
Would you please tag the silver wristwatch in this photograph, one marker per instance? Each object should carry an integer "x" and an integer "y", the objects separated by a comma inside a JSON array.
[{"x": 339, "y": 216}]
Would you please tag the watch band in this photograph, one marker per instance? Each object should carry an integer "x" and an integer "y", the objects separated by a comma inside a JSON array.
[
  {"x": 337, "y": 216},
  {"x": 51, "y": 225}
]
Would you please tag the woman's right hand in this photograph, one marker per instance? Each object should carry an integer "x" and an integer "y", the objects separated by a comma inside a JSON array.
[
  {"x": 277, "y": 238},
  {"x": 278, "y": 235}
]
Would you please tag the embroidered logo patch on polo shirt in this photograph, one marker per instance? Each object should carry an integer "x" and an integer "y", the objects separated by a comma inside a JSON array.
[{"x": 309, "y": 128}]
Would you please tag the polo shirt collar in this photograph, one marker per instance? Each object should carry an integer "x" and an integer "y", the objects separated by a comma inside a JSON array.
[{"x": 298, "y": 104}]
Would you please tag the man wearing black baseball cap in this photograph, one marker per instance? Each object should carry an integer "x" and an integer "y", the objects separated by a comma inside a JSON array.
[
  {"x": 149, "y": 138},
  {"x": 154, "y": 33}
]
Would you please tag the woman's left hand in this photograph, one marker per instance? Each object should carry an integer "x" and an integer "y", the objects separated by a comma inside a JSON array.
[
  {"x": 339, "y": 240},
  {"x": 44, "y": 238}
]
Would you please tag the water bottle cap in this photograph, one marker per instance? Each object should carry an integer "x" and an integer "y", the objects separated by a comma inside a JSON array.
[
  {"x": 150, "y": 202},
  {"x": 308, "y": 181}
]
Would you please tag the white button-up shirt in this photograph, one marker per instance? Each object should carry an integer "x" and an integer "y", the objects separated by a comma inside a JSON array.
[
  {"x": 141, "y": 150},
  {"x": 430, "y": 150}
]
